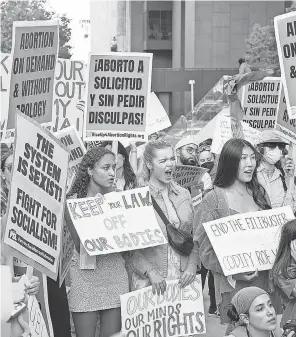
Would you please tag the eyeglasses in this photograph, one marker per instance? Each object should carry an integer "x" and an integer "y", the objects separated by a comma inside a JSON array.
[
  {"x": 190, "y": 150},
  {"x": 281, "y": 146},
  {"x": 9, "y": 167}
]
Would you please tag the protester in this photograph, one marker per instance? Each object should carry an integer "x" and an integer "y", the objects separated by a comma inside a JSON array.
[
  {"x": 206, "y": 158},
  {"x": 283, "y": 273},
  {"x": 251, "y": 309},
  {"x": 125, "y": 176},
  {"x": 187, "y": 154},
  {"x": 6, "y": 167},
  {"x": 98, "y": 281},
  {"x": 154, "y": 265},
  {"x": 236, "y": 190},
  {"x": 244, "y": 68},
  {"x": 277, "y": 181}
]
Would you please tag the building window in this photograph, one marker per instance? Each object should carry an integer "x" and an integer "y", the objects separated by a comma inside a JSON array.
[{"x": 160, "y": 25}]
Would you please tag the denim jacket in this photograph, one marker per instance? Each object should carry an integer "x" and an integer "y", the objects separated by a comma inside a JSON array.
[{"x": 141, "y": 261}]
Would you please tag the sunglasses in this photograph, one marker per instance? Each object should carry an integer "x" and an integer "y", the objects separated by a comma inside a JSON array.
[
  {"x": 204, "y": 148},
  {"x": 9, "y": 167},
  {"x": 281, "y": 146}
]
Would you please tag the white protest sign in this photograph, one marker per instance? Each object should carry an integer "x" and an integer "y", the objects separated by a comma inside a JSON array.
[
  {"x": 223, "y": 133},
  {"x": 259, "y": 101},
  {"x": 69, "y": 137},
  {"x": 36, "y": 199},
  {"x": 285, "y": 33},
  {"x": 121, "y": 221},
  {"x": 186, "y": 175},
  {"x": 197, "y": 200},
  {"x": 69, "y": 88},
  {"x": 285, "y": 126},
  {"x": 118, "y": 87},
  {"x": 158, "y": 118},
  {"x": 36, "y": 320},
  {"x": 178, "y": 312},
  {"x": 246, "y": 242},
  {"x": 34, "y": 56}
]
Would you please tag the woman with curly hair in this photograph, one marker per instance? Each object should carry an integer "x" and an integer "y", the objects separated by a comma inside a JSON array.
[
  {"x": 125, "y": 176},
  {"x": 96, "y": 281}
]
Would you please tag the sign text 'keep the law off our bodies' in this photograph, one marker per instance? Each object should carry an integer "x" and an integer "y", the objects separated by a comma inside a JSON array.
[
  {"x": 285, "y": 126},
  {"x": 178, "y": 312},
  {"x": 246, "y": 242},
  {"x": 118, "y": 222},
  {"x": 35, "y": 48},
  {"x": 37, "y": 194},
  {"x": 117, "y": 96},
  {"x": 259, "y": 101},
  {"x": 285, "y": 33}
]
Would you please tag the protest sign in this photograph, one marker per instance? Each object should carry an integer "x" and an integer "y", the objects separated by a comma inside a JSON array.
[
  {"x": 197, "y": 200},
  {"x": 120, "y": 221},
  {"x": 186, "y": 175},
  {"x": 36, "y": 320},
  {"x": 4, "y": 86},
  {"x": 69, "y": 87},
  {"x": 34, "y": 56},
  {"x": 223, "y": 133},
  {"x": 285, "y": 126},
  {"x": 178, "y": 312},
  {"x": 285, "y": 33},
  {"x": 75, "y": 146},
  {"x": 117, "y": 96},
  {"x": 246, "y": 242},
  {"x": 158, "y": 118},
  {"x": 36, "y": 198},
  {"x": 259, "y": 101}
]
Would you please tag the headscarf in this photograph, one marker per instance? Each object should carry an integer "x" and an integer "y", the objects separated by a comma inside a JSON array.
[{"x": 243, "y": 299}]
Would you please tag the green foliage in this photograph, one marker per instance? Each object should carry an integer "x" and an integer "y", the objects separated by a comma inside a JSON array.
[
  {"x": 261, "y": 45},
  {"x": 30, "y": 11}
]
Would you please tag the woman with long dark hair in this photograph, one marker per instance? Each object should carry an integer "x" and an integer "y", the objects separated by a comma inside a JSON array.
[
  {"x": 236, "y": 190},
  {"x": 96, "y": 281},
  {"x": 283, "y": 273},
  {"x": 125, "y": 175}
]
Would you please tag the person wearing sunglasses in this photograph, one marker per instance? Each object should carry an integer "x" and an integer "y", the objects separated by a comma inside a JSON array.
[
  {"x": 206, "y": 158},
  {"x": 276, "y": 178}
]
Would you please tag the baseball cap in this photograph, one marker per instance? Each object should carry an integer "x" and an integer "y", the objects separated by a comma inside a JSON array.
[
  {"x": 186, "y": 141},
  {"x": 270, "y": 136}
]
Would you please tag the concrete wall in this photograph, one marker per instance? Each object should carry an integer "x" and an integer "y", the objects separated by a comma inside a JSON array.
[{"x": 221, "y": 28}]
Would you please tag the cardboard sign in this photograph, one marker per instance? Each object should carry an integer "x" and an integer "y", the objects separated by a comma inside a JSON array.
[
  {"x": 223, "y": 133},
  {"x": 36, "y": 320},
  {"x": 121, "y": 221},
  {"x": 197, "y": 200},
  {"x": 259, "y": 101},
  {"x": 73, "y": 143},
  {"x": 158, "y": 118},
  {"x": 186, "y": 175},
  {"x": 117, "y": 96},
  {"x": 69, "y": 90},
  {"x": 178, "y": 312},
  {"x": 5, "y": 68},
  {"x": 285, "y": 33},
  {"x": 246, "y": 242},
  {"x": 285, "y": 126},
  {"x": 36, "y": 199},
  {"x": 34, "y": 49}
]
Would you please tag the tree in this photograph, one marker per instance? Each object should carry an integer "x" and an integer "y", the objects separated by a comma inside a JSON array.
[
  {"x": 261, "y": 45},
  {"x": 30, "y": 11}
]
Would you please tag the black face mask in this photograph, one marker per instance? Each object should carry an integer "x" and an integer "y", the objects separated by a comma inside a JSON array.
[{"x": 208, "y": 165}]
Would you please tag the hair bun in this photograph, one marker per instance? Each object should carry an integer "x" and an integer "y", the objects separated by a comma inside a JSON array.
[{"x": 232, "y": 313}]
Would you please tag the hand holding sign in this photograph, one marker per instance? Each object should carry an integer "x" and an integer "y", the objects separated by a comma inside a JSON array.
[
  {"x": 157, "y": 281},
  {"x": 246, "y": 277}
]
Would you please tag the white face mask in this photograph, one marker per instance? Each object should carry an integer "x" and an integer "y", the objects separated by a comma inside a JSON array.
[{"x": 272, "y": 156}]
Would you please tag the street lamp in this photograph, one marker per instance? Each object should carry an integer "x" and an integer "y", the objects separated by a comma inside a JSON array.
[{"x": 192, "y": 82}]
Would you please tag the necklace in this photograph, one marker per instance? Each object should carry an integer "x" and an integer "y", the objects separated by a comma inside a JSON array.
[{"x": 240, "y": 193}]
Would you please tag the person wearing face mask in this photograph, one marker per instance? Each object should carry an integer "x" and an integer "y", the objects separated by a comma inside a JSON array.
[
  {"x": 187, "y": 154},
  {"x": 206, "y": 158},
  {"x": 278, "y": 181}
]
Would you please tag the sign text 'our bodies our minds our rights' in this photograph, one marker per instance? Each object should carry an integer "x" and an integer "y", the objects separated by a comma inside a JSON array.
[
  {"x": 34, "y": 56},
  {"x": 259, "y": 103},
  {"x": 117, "y": 222},
  {"x": 246, "y": 242},
  {"x": 117, "y": 96},
  {"x": 178, "y": 312},
  {"x": 285, "y": 126},
  {"x": 285, "y": 33},
  {"x": 37, "y": 193}
]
